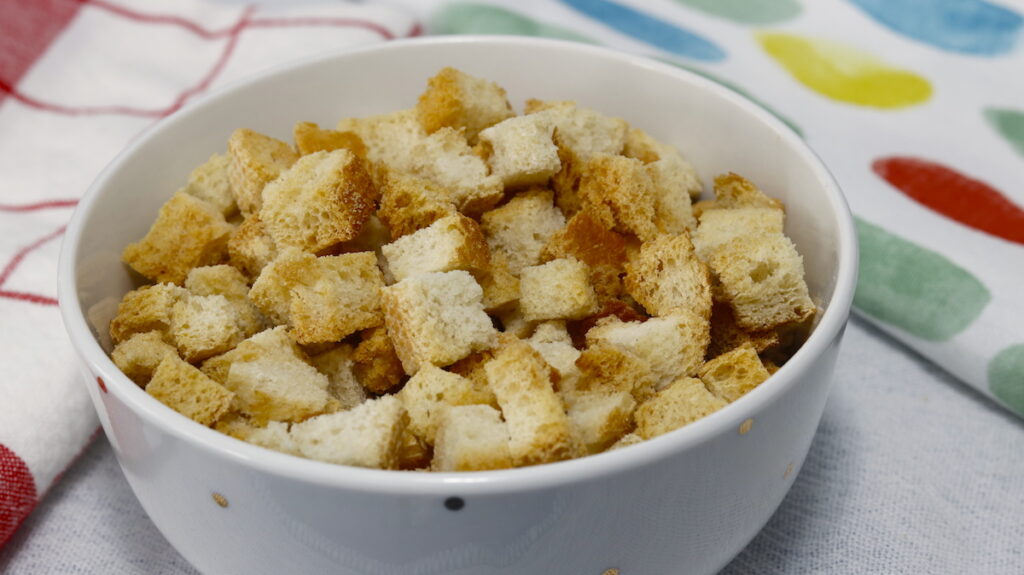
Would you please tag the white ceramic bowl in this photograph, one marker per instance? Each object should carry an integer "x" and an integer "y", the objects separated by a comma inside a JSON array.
[{"x": 686, "y": 502}]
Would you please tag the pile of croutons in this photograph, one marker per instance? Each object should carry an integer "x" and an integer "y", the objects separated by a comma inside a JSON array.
[{"x": 455, "y": 287}]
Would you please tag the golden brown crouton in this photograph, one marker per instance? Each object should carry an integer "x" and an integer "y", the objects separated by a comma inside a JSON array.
[
  {"x": 609, "y": 369},
  {"x": 256, "y": 160},
  {"x": 726, "y": 335},
  {"x": 520, "y": 229},
  {"x": 432, "y": 390},
  {"x": 735, "y": 191},
  {"x": 250, "y": 247},
  {"x": 672, "y": 168},
  {"x": 451, "y": 243},
  {"x": 454, "y": 99},
  {"x": 584, "y": 131},
  {"x": 148, "y": 308},
  {"x": 436, "y": 318},
  {"x": 500, "y": 287},
  {"x": 720, "y": 226},
  {"x": 369, "y": 435},
  {"x": 227, "y": 281},
  {"x": 673, "y": 345},
  {"x": 521, "y": 151},
  {"x": 471, "y": 438},
  {"x": 139, "y": 355},
  {"x": 684, "y": 401},
  {"x": 600, "y": 419},
  {"x": 375, "y": 362},
  {"x": 585, "y": 239},
  {"x": 559, "y": 289},
  {"x": 409, "y": 203},
  {"x": 321, "y": 201},
  {"x": 667, "y": 275},
  {"x": 186, "y": 390},
  {"x": 537, "y": 423},
  {"x": 620, "y": 194},
  {"x": 734, "y": 373},
  {"x": 445, "y": 159},
  {"x": 187, "y": 233},
  {"x": 310, "y": 138},
  {"x": 210, "y": 182}
]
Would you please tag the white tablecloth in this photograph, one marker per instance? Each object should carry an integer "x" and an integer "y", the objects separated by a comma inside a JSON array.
[{"x": 910, "y": 472}]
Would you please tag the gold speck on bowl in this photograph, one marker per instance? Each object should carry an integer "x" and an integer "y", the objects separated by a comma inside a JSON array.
[
  {"x": 745, "y": 426},
  {"x": 220, "y": 499}
]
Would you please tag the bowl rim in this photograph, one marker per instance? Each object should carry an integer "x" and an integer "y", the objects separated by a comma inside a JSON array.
[{"x": 550, "y": 475}]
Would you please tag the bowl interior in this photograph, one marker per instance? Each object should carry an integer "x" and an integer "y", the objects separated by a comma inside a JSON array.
[{"x": 717, "y": 130}]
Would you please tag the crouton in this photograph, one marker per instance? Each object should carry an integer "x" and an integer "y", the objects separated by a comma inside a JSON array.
[
  {"x": 672, "y": 346},
  {"x": 310, "y": 138},
  {"x": 185, "y": 389},
  {"x": 619, "y": 193},
  {"x": 735, "y": 191},
  {"x": 250, "y": 247},
  {"x": 413, "y": 454},
  {"x": 337, "y": 364},
  {"x": 454, "y": 99},
  {"x": 521, "y": 151},
  {"x": 609, "y": 308},
  {"x": 626, "y": 441},
  {"x": 582, "y": 130},
  {"x": 500, "y": 287},
  {"x": 684, "y": 401},
  {"x": 726, "y": 335},
  {"x": 471, "y": 438},
  {"x": 323, "y": 299},
  {"x": 436, "y": 318},
  {"x": 270, "y": 344},
  {"x": 734, "y": 373},
  {"x": 673, "y": 210},
  {"x": 210, "y": 182},
  {"x": 514, "y": 323},
  {"x": 762, "y": 279},
  {"x": 274, "y": 436},
  {"x": 375, "y": 363},
  {"x": 187, "y": 233},
  {"x": 609, "y": 369},
  {"x": 389, "y": 138},
  {"x": 148, "y": 308},
  {"x": 599, "y": 419},
  {"x": 369, "y": 435},
  {"x": 277, "y": 389},
  {"x": 585, "y": 239},
  {"x": 520, "y": 229},
  {"x": 322, "y": 200},
  {"x": 204, "y": 326},
  {"x": 256, "y": 160},
  {"x": 537, "y": 423},
  {"x": 409, "y": 203},
  {"x": 451, "y": 243},
  {"x": 471, "y": 367},
  {"x": 445, "y": 159},
  {"x": 721, "y": 226},
  {"x": 428, "y": 393},
  {"x": 566, "y": 181},
  {"x": 559, "y": 289},
  {"x": 227, "y": 281},
  {"x": 673, "y": 170},
  {"x": 371, "y": 238},
  {"x": 667, "y": 275},
  {"x": 139, "y": 355}
]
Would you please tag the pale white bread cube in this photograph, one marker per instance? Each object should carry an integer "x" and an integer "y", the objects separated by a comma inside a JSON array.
[
  {"x": 211, "y": 183},
  {"x": 520, "y": 229},
  {"x": 667, "y": 275},
  {"x": 450, "y": 243},
  {"x": 522, "y": 152},
  {"x": 600, "y": 419},
  {"x": 256, "y": 160},
  {"x": 369, "y": 435},
  {"x": 471, "y": 438},
  {"x": 558, "y": 289},
  {"x": 342, "y": 384},
  {"x": 673, "y": 345},
  {"x": 432, "y": 390},
  {"x": 277, "y": 389},
  {"x": 718, "y": 227}
]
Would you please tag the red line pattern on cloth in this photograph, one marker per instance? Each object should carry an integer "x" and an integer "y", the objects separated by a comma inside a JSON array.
[
  {"x": 27, "y": 27},
  {"x": 12, "y": 265},
  {"x": 18, "y": 493},
  {"x": 36, "y": 206}
]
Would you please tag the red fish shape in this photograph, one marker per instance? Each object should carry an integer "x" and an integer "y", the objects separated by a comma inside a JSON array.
[{"x": 958, "y": 197}]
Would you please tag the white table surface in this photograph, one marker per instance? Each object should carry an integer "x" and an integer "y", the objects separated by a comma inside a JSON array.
[{"x": 910, "y": 472}]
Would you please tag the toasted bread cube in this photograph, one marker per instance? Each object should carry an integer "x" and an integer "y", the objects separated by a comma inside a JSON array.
[
  {"x": 310, "y": 138},
  {"x": 276, "y": 389},
  {"x": 673, "y": 209},
  {"x": 389, "y": 138},
  {"x": 139, "y": 355},
  {"x": 375, "y": 362},
  {"x": 269, "y": 344},
  {"x": 665, "y": 159},
  {"x": 562, "y": 357},
  {"x": 522, "y": 152},
  {"x": 454, "y": 99},
  {"x": 369, "y": 435},
  {"x": 471, "y": 367},
  {"x": 471, "y": 438},
  {"x": 673, "y": 346},
  {"x": 204, "y": 326},
  {"x": 148, "y": 308},
  {"x": 187, "y": 233},
  {"x": 451, "y": 243},
  {"x": 227, "y": 281},
  {"x": 323, "y": 299},
  {"x": 726, "y": 335},
  {"x": 626, "y": 441},
  {"x": 250, "y": 247},
  {"x": 609, "y": 369},
  {"x": 559, "y": 289},
  {"x": 321, "y": 201},
  {"x": 600, "y": 419},
  {"x": 583, "y": 130},
  {"x": 409, "y": 203},
  {"x": 371, "y": 238},
  {"x": 500, "y": 287},
  {"x": 620, "y": 194},
  {"x": 537, "y": 423},
  {"x": 566, "y": 181},
  {"x": 720, "y": 226},
  {"x": 274, "y": 436},
  {"x": 587, "y": 240},
  {"x": 428, "y": 393},
  {"x": 256, "y": 160},
  {"x": 413, "y": 454},
  {"x": 210, "y": 182},
  {"x": 734, "y": 373},
  {"x": 436, "y": 319},
  {"x": 735, "y": 191},
  {"x": 762, "y": 278},
  {"x": 514, "y": 323},
  {"x": 684, "y": 401},
  {"x": 667, "y": 275},
  {"x": 185, "y": 389},
  {"x": 337, "y": 364},
  {"x": 520, "y": 229},
  {"x": 445, "y": 159}
]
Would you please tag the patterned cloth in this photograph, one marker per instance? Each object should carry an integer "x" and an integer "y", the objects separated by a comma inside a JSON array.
[{"x": 78, "y": 80}]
